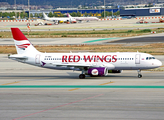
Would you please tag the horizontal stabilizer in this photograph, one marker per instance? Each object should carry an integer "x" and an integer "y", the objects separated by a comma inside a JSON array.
[{"x": 17, "y": 56}]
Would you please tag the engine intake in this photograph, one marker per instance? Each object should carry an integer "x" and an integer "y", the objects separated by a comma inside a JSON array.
[{"x": 100, "y": 71}]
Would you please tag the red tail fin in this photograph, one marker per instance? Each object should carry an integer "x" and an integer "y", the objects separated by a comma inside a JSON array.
[{"x": 18, "y": 35}]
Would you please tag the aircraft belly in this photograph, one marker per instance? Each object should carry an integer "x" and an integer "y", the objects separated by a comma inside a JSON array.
[{"x": 57, "y": 68}]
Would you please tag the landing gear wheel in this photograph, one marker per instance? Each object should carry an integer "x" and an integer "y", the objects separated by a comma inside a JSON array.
[
  {"x": 139, "y": 76},
  {"x": 82, "y": 76}
]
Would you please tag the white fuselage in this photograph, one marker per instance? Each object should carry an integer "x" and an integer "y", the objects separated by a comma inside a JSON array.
[
  {"x": 112, "y": 61},
  {"x": 64, "y": 19},
  {"x": 57, "y": 19},
  {"x": 93, "y": 64},
  {"x": 86, "y": 18}
]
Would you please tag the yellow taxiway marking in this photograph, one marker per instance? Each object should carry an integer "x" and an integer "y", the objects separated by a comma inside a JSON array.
[
  {"x": 100, "y": 84},
  {"x": 74, "y": 89},
  {"x": 11, "y": 83},
  {"x": 106, "y": 83}
]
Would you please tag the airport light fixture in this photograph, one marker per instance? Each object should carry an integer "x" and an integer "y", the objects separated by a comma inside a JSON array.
[
  {"x": 29, "y": 8},
  {"x": 15, "y": 11},
  {"x": 104, "y": 8}
]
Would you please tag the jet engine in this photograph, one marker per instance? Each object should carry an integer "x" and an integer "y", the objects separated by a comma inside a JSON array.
[
  {"x": 72, "y": 20},
  {"x": 99, "y": 71},
  {"x": 114, "y": 71}
]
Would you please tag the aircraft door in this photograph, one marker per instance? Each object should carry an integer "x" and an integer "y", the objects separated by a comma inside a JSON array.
[
  {"x": 137, "y": 59},
  {"x": 37, "y": 59}
]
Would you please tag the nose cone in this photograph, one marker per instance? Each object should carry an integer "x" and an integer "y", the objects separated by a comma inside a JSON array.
[{"x": 159, "y": 63}]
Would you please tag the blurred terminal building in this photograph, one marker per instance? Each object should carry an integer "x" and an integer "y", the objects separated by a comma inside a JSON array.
[
  {"x": 82, "y": 11},
  {"x": 135, "y": 12}
]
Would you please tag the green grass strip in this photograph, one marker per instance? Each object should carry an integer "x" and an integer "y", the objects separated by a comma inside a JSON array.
[
  {"x": 99, "y": 40},
  {"x": 77, "y": 86}
]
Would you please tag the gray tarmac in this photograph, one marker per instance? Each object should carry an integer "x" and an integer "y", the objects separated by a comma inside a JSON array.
[
  {"x": 92, "y": 25},
  {"x": 78, "y": 103},
  {"x": 144, "y": 39},
  {"x": 151, "y": 39},
  {"x": 51, "y": 41}
]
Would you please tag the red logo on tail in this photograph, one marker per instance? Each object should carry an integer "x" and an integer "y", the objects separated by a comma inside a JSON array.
[{"x": 23, "y": 45}]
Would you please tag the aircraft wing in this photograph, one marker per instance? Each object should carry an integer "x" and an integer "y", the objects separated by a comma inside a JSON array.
[
  {"x": 71, "y": 65},
  {"x": 109, "y": 66}
]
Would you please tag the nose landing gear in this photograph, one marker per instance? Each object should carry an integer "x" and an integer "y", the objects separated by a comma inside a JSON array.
[{"x": 139, "y": 74}]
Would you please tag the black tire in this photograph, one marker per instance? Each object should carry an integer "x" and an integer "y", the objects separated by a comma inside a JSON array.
[
  {"x": 139, "y": 76},
  {"x": 82, "y": 76}
]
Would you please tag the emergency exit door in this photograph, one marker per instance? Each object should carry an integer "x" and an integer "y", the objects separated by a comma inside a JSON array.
[
  {"x": 37, "y": 59},
  {"x": 137, "y": 59}
]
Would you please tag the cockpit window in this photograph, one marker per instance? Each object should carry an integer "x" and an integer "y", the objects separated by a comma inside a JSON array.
[{"x": 149, "y": 58}]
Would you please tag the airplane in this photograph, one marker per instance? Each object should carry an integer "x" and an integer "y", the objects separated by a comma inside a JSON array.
[
  {"x": 59, "y": 19},
  {"x": 83, "y": 18},
  {"x": 93, "y": 64}
]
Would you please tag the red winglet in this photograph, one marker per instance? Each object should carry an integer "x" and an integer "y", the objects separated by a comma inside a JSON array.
[{"x": 18, "y": 35}]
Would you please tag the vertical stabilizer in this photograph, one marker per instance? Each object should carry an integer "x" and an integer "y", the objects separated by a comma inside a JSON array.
[
  {"x": 45, "y": 16},
  {"x": 22, "y": 44},
  {"x": 68, "y": 15}
]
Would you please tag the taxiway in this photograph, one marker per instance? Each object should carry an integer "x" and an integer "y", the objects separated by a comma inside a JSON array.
[{"x": 78, "y": 103}]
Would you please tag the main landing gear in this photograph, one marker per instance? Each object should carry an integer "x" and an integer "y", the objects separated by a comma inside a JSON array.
[
  {"x": 139, "y": 74},
  {"x": 82, "y": 76}
]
